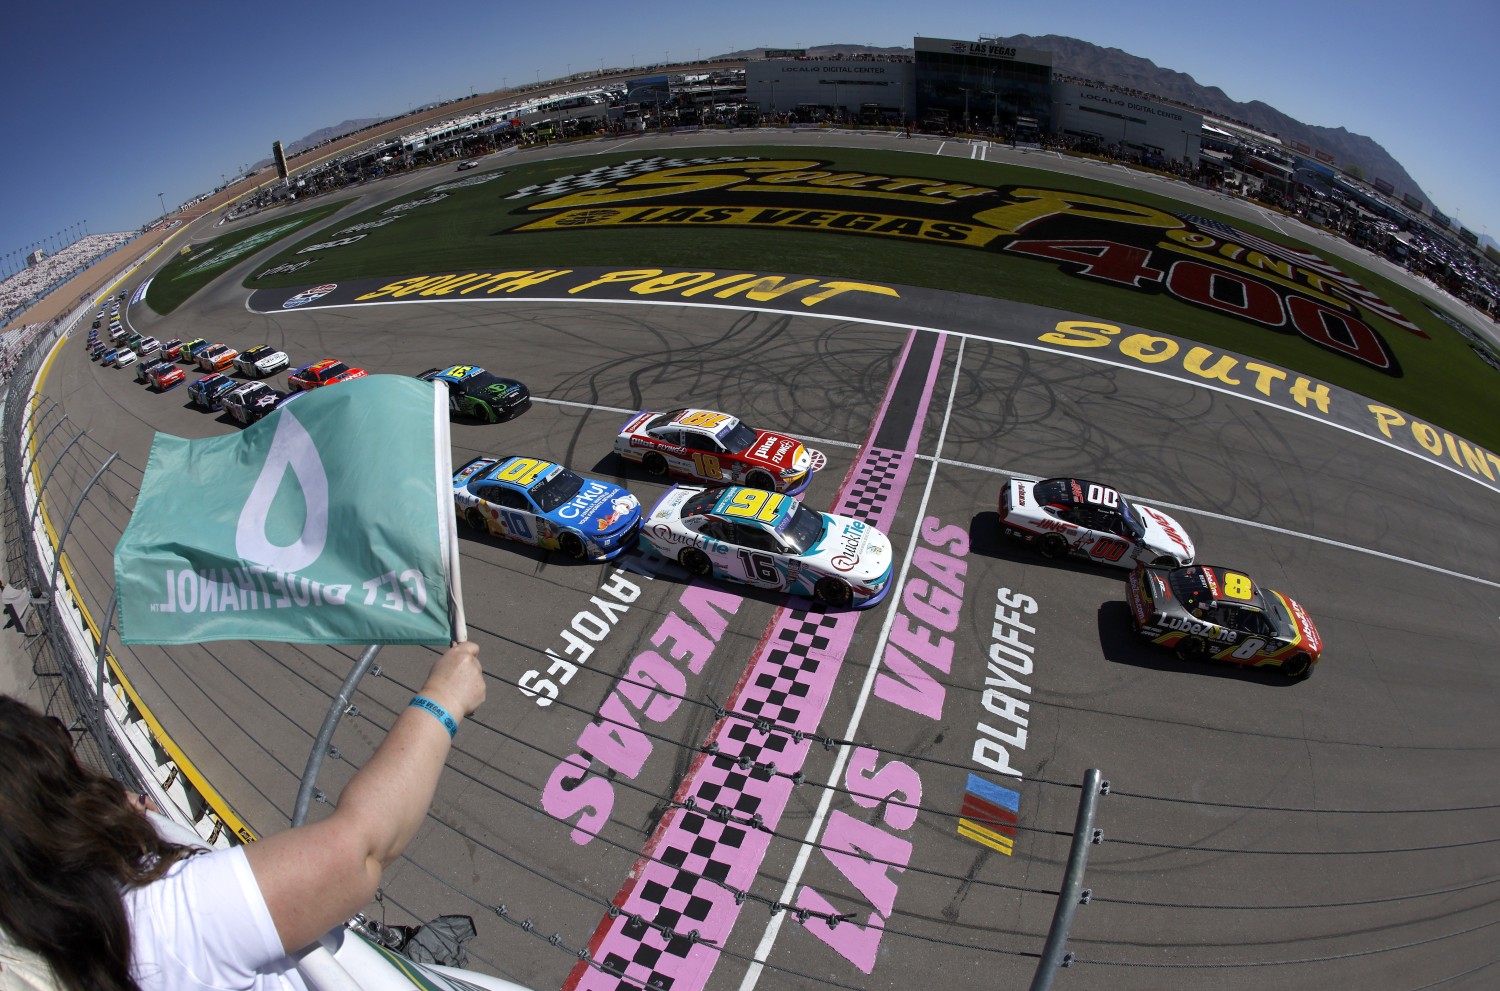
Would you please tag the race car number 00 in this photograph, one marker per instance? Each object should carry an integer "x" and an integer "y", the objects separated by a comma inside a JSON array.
[
  {"x": 1101, "y": 495},
  {"x": 523, "y": 471},
  {"x": 755, "y": 504}
]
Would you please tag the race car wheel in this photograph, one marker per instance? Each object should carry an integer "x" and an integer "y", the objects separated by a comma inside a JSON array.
[
  {"x": 1192, "y": 649},
  {"x": 833, "y": 592},
  {"x": 696, "y": 562},
  {"x": 655, "y": 464},
  {"x": 572, "y": 545},
  {"x": 1053, "y": 546},
  {"x": 761, "y": 480},
  {"x": 1165, "y": 561},
  {"x": 1297, "y": 667},
  {"x": 475, "y": 519}
]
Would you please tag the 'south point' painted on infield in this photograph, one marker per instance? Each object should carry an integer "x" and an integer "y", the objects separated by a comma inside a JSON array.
[{"x": 909, "y": 306}]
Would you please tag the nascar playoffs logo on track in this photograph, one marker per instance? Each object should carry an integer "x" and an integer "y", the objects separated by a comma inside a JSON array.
[
  {"x": 272, "y": 534},
  {"x": 309, "y": 295}
]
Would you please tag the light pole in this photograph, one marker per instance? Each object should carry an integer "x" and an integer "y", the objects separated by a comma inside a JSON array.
[
  {"x": 160, "y": 198},
  {"x": 773, "y": 96},
  {"x": 994, "y": 111},
  {"x": 966, "y": 106}
]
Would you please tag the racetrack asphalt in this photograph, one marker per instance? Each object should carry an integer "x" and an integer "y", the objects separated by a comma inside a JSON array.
[{"x": 1334, "y": 832}]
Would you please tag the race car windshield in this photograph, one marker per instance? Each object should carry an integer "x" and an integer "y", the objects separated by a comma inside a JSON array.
[
  {"x": 804, "y": 530},
  {"x": 337, "y": 368},
  {"x": 480, "y": 381},
  {"x": 738, "y": 439},
  {"x": 1052, "y": 490},
  {"x": 556, "y": 490},
  {"x": 1133, "y": 525},
  {"x": 1285, "y": 628}
]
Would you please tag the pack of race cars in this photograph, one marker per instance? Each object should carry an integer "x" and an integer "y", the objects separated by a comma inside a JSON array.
[{"x": 736, "y": 518}]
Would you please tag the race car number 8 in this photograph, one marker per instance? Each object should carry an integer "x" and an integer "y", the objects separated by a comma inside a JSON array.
[
  {"x": 1236, "y": 586},
  {"x": 755, "y": 504},
  {"x": 523, "y": 471}
]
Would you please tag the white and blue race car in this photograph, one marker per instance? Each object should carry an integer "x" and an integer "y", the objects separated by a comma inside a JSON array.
[
  {"x": 538, "y": 502},
  {"x": 771, "y": 541}
]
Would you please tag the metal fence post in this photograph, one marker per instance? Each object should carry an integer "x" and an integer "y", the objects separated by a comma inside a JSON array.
[
  {"x": 319, "y": 750},
  {"x": 62, "y": 538},
  {"x": 31, "y": 522},
  {"x": 1072, "y": 893}
]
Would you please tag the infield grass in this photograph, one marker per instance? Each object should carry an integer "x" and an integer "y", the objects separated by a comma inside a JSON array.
[{"x": 473, "y": 229}]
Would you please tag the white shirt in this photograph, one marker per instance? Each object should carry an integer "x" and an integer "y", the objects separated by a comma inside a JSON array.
[{"x": 204, "y": 926}]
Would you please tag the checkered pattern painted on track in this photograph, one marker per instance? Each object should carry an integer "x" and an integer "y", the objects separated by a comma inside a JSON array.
[{"x": 731, "y": 798}]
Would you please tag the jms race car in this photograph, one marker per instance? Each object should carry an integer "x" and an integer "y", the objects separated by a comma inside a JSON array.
[
  {"x": 542, "y": 503},
  {"x": 260, "y": 361},
  {"x": 771, "y": 541},
  {"x": 1203, "y": 612},
  {"x": 1062, "y": 516},
  {"x": 472, "y": 391},
  {"x": 717, "y": 448}
]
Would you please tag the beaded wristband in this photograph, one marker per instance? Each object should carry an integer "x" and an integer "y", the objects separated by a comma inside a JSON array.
[{"x": 423, "y": 702}]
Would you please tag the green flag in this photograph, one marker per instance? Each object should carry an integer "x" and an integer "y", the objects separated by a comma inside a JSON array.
[{"x": 329, "y": 521}]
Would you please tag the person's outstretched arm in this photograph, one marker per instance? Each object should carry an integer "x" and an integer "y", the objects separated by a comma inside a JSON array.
[{"x": 316, "y": 876}]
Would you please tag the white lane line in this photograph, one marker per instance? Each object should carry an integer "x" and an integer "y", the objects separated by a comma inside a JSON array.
[
  {"x": 1149, "y": 500},
  {"x": 815, "y": 826}
]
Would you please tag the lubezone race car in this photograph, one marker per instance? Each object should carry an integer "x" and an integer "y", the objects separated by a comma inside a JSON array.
[
  {"x": 1063, "y": 516},
  {"x": 1202, "y": 612},
  {"x": 537, "y": 502},
  {"x": 772, "y": 541},
  {"x": 717, "y": 448},
  {"x": 472, "y": 391}
]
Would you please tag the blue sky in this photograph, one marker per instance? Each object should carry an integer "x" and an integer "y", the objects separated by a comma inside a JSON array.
[{"x": 108, "y": 105}]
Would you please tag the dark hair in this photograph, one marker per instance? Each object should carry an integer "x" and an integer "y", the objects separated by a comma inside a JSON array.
[{"x": 69, "y": 842}]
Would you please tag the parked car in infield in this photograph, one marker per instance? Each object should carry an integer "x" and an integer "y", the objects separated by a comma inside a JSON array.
[
  {"x": 717, "y": 448},
  {"x": 1202, "y": 612},
  {"x": 1063, "y": 516},
  {"x": 472, "y": 391},
  {"x": 538, "y": 502},
  {"x": 251, "y": 401},
  {"x": 327, "y": 371},
  {"x": 192, "y": 349},
  {"x": 772, "y": 541},
  {"x": 163, "y": 375},
  {"x": 217, "y": 358},
  {"x": 207, "y": 393},
  {"x": 260, "y": 361}
]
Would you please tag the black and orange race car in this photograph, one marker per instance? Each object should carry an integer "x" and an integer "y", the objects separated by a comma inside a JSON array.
[{"x": 1202, "y": 612}]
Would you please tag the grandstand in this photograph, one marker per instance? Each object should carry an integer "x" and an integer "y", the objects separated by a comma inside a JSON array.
[{"x": 35, "y": 281}]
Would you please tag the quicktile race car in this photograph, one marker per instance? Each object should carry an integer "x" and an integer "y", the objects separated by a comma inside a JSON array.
[
  {"x": 260, "y": 361},
  {"x": 1202, "y": 612},
  {"x": 717, "y": 448},
  {"x": 319, "y": 373},
  {"x": 538, "y": 502},
  {"x": 1063, "y": 516},
  {"x": 472, "y": 391},
  {"x": 771, "y": 541},
  {"x": 207, "y": 393}
]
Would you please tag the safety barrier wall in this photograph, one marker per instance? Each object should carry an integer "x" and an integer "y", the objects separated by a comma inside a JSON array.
[{"x": 128, "y": 739}]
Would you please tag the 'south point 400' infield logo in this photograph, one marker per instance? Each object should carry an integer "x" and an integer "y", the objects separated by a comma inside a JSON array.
[{"x": 1196, "y": 260}]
